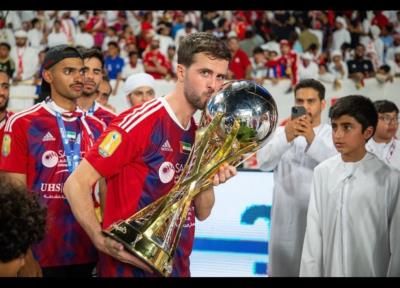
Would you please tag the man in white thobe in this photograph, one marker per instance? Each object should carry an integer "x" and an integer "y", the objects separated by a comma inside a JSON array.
[
  {"x": 384, "y": 143},
  {"x": 292, "y": 154}
]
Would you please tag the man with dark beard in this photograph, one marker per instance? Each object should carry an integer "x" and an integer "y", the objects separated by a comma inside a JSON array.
[
  {"x": 140, "y": 154},
  {"x": 41, "y": 147},
  {"x": 4, "y": 97},
  {"x": 94, "y": 64}
]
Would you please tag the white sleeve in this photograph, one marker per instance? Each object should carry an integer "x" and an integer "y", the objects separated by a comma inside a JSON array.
[
  {"x": 394, "y": 224},
  {"x": 269, "y": 156},
  {"x": 311, "y": 258}
]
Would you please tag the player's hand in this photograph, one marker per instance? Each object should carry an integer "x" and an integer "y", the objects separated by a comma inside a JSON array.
[
  {"x": 116, "y": 250},
  {"x": 225, "y": 172}
]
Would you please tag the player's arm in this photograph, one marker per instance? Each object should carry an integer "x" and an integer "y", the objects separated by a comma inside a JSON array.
[
  {"x": 78, "y": 190},
  {"x": 204, "y": 201}
]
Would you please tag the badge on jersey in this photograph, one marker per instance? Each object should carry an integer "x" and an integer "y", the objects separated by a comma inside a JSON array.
[
  {"x": 6, "y": 147},
  {"x": 110, "y": 143},
  {"x": 185, "y": 147}
]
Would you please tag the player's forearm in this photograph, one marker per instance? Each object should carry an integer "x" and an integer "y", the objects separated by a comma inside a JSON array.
[
  {"x": 204, "y": 202},
  {"x": 79, "y": 196}
]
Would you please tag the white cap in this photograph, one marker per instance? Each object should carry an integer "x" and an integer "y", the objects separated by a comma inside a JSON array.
[
  {"x": 375, "y": 31},
  {"x": 307, "y": 56},
  {"x": 21, "y": 34},
  {"x": 342, "y": 21},
  {"x": 138, "y": 80},
  {"x": 336, "y": 53}
]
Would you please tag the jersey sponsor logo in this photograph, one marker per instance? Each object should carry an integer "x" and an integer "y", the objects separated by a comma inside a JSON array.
[
  {"x": 166, "y": 172},
  {"x": 166, "y": 146},
  {"x": 49, "y": 159},
  {"x": 48, "y": 137},
  {"x": 6, "y": 146},
  {"x": 110, "y": 144},
  {"x": 185, "y": 147}
]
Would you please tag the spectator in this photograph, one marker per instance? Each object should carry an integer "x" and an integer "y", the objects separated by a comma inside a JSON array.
[
  {"x": 114, "y": 64},
  {"x": 338, "y": 68},
  {"x": 391, "y": 50},
  {"x": 308, "y": 69},
  {"x": 384, "y": 143},
  {"x": 239, "y": 66},
  {"x": 139, "y": 88},
  {"x": 135, "y": 65},
  {"x": 181, "y": 33},
  {"x": 251, "y": 41},
  {"x": 383, "y": 74},
  {"x": 57, "y": 36},
  {"x": 341, "y": 34},
  {"x": 290, "y": 60},
  {"x": 360, "y": 67},
  {"x": 25, "y": 58},
  {"x": 82, "y": 37},
  {"x": 293, "y": 152},
  {"x": 164, "y": 34},
  {"x": 395, "y": 63},
  {"x": 259, "y": 66},
  {"x": 155, "y": 63},
  {"x": 111, "y": 35},
  {"x": 7, "y": 64},
  {"x": 306, "y": 37}
]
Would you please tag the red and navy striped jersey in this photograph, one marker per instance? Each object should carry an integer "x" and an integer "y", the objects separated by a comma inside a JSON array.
[
  {"x": 142, "y": 154},
  {"x": 33, "y": 146},
  {"x": 103, "y": 113}
]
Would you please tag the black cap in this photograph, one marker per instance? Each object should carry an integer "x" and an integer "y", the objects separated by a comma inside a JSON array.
[{"x": 52, "y": 57}]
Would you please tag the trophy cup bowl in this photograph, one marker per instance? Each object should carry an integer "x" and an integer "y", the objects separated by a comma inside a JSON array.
[{"x": 236, "y": 122}]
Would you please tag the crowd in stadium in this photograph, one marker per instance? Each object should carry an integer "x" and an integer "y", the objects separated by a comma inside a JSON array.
[{"x": 326, "y": 45}]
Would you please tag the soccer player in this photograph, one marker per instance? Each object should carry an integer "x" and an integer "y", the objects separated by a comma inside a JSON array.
[
  {"x": 142, "y": 153},
  {"x": 42, "y": 145},
  {"x": 94, "y": 64}
]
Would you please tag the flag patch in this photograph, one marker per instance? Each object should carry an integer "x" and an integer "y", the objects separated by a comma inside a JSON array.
[{"x": 185, "y": 147}]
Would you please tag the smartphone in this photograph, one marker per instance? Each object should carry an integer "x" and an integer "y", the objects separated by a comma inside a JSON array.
[{"x": 298, "y": 111}]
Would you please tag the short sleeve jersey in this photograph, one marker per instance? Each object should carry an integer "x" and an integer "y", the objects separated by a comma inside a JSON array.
[
  {"x": 142, "y": 154},
  {"x": 32, "y": 146}
]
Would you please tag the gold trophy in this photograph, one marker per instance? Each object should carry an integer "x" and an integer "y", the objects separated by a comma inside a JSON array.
[{"x": 237, "y": 122}]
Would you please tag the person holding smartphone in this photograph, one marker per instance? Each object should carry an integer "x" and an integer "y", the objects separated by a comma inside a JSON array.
[{"x": 293, "y": 152}]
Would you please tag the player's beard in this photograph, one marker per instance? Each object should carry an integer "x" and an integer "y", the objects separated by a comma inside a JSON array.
[{"x": 4, "y": 106}]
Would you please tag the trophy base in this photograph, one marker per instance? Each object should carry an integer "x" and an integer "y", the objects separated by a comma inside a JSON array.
[{"x": 139, "y": 245}]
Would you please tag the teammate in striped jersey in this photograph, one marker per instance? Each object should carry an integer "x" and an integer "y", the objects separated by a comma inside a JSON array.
[
  {"x": 142, "y": 154},
  {"x": 94, "y": 64},
  {"x": 42, "y": 146}
]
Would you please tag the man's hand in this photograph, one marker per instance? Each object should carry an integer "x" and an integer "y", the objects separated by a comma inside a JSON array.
[
  {"x": 303, "y": 127},
  {"x": 225, "y": 172},
  {"x": 290, "y": 130},
  {"x": 116, "y": 250}
]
